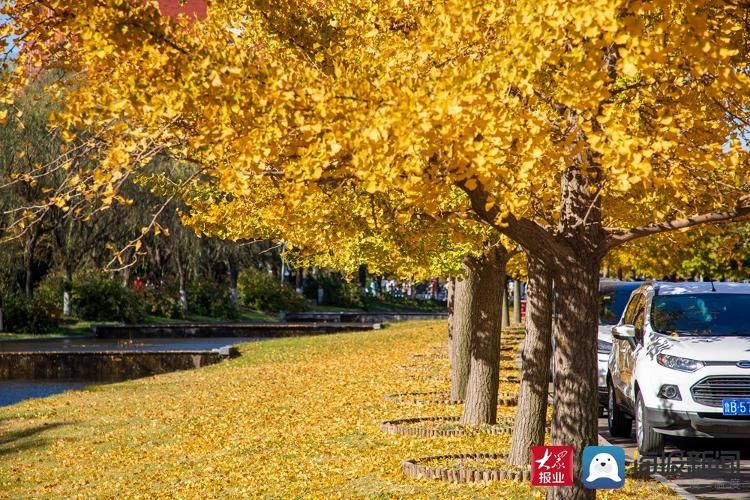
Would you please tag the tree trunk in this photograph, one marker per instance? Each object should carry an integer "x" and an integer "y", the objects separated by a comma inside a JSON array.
[
  {"x": 67, "y": 288},
  {"x": 531, "y": 417},
  {"x": 461, "y": 325},
  {"x": 449, "y": 305},
  {"x": 234, "y": 274},
  {"x": 125, "y": 276},
  {"x": 578, "y": 259},
  {"x": 181, "y": 278},
  {"x": 574, "y": 420},
  {"x": 485, "y": 282},
  {"x": 506, "y": 311},
  {"x": 516, "y": 302},
  {"x": 29, "y": 251}
]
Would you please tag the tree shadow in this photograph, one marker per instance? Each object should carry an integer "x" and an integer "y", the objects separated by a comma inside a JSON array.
[{"x": 24, "y": 439}]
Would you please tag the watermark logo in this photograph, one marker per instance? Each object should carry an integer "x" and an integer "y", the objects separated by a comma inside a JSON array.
[
  {"x": 551, "y": 465},
  {"x": 677, "y": 463},
  {"x": 603, "y": 467}
]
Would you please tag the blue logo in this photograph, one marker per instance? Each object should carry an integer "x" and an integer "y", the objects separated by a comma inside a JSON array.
[
  {"x": 603, "y": 467},
  {"x": 743, "y": 364}
]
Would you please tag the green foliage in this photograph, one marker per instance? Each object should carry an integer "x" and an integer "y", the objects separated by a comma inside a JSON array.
[
  {"x": 261, "y": 291},
  {"x": 390, "y": 302},
  {"x": 99, "y": 298},
  {"x": 336, "y": 291},
  {"x": 22, "y": 315},
  {"x": 50, "y": 291},
  {"x": 163, "y": 301},
  {"x": 206, "y": 298}
]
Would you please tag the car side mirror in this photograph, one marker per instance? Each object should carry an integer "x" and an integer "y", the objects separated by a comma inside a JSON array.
[{"x": 624, "y": 332}]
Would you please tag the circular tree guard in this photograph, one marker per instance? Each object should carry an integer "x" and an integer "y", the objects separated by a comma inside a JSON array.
[
  {"x": 419, "y": 426},
  {"x": 443, "y": 397},
  {"x": 429, "y": 397},
  {"x": 428, "y": 356},
  {"x": 435, "y": 467},
  {"x": 417, "y": 367}
]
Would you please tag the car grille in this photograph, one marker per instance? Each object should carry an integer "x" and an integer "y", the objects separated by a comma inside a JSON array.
[{"x": 711, "y": 390}]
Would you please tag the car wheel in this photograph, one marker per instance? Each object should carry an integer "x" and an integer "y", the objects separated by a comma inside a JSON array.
[
  {"x": 619, "y": 424},
  {"x": 648, "y": 440}
]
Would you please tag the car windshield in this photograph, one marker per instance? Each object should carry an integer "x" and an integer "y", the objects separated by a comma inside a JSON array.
[
  {"x": 611, "y": 305},
  {"x": 702, "y": 314}
]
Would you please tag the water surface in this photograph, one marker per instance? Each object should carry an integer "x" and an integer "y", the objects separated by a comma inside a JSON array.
[
  {"x": 104, "y": 345},
  {"x": 15, "y": 391}
]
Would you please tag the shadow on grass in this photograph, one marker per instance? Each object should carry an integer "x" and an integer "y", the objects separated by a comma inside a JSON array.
[{"x": 25, "y": 439}]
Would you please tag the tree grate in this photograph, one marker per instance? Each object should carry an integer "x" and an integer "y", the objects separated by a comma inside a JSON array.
[{"x": 421, "y": 468}]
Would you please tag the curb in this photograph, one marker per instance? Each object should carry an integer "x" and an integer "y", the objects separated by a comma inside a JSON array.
[{"x": 675, "y": 487}]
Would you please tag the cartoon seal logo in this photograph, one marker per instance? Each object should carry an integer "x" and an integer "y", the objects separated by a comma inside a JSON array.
[{"x": 604, "y": 465}]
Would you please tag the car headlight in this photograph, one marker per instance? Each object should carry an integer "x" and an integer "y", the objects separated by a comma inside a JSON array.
[
  {"x": 604, "y": 347},
  {"x": 677, "y": 363}
]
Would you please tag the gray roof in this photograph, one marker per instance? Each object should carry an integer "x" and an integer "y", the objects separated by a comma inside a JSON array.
[{"x": 687, "y": 287}]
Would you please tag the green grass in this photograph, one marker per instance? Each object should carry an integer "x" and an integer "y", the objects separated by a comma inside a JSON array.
[
  {"x": 72, "y": 327},
  {"x": 402, "y": 304},
  {"x": 246, "y": 314}
]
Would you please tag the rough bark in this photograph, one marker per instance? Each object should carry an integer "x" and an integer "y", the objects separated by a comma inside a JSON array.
[
  {"x": 461, "y": 325},
  {"x": 581, "y": 243},
  {"x": 529, "y": 426},
  {"x": 516, "y": 302},
  {"x": 485, "y": 281},
  {"x": 574, "y": 420}
]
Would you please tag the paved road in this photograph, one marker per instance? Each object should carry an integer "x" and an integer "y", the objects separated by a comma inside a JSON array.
[{"x": 703, "y": 485}]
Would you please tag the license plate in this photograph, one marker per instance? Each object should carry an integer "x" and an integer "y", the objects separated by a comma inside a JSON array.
[{"x": 736, "y": 406}]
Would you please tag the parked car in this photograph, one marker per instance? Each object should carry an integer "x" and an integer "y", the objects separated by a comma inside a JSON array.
[
  {"x": 680, "y": 363},
  {"x": 613, "y": 297}
]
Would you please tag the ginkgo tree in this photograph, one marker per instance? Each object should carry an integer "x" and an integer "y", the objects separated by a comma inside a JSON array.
[
  {"x": 718, "y": 252},
  {"x": 572, "y": 127},
  {"x": 342, "y": 226}
]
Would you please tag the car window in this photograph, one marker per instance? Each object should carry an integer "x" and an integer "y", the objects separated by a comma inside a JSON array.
[
  {"x": 712, "y": 314},
  {"x": 607, "y": 313},
  {"x": 612, "y": 303},
  {"x": 636, "y": 303}
]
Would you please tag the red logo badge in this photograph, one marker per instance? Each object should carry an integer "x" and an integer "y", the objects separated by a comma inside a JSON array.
[{"x": 551, "y": 465}]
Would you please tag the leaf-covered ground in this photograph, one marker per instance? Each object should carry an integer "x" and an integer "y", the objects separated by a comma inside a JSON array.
[{"x": 291, "y": 418}]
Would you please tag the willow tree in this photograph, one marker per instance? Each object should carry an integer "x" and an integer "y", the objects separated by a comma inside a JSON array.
[{"x": 556, "y": 119}]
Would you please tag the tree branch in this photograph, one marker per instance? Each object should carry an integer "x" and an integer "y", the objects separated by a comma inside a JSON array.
[
  {"x": 616, "y": 238},
  {"x": 527, "y": 233}
]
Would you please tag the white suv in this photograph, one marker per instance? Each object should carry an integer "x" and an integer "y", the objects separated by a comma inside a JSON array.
[{"x": 680, "y": 363}]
